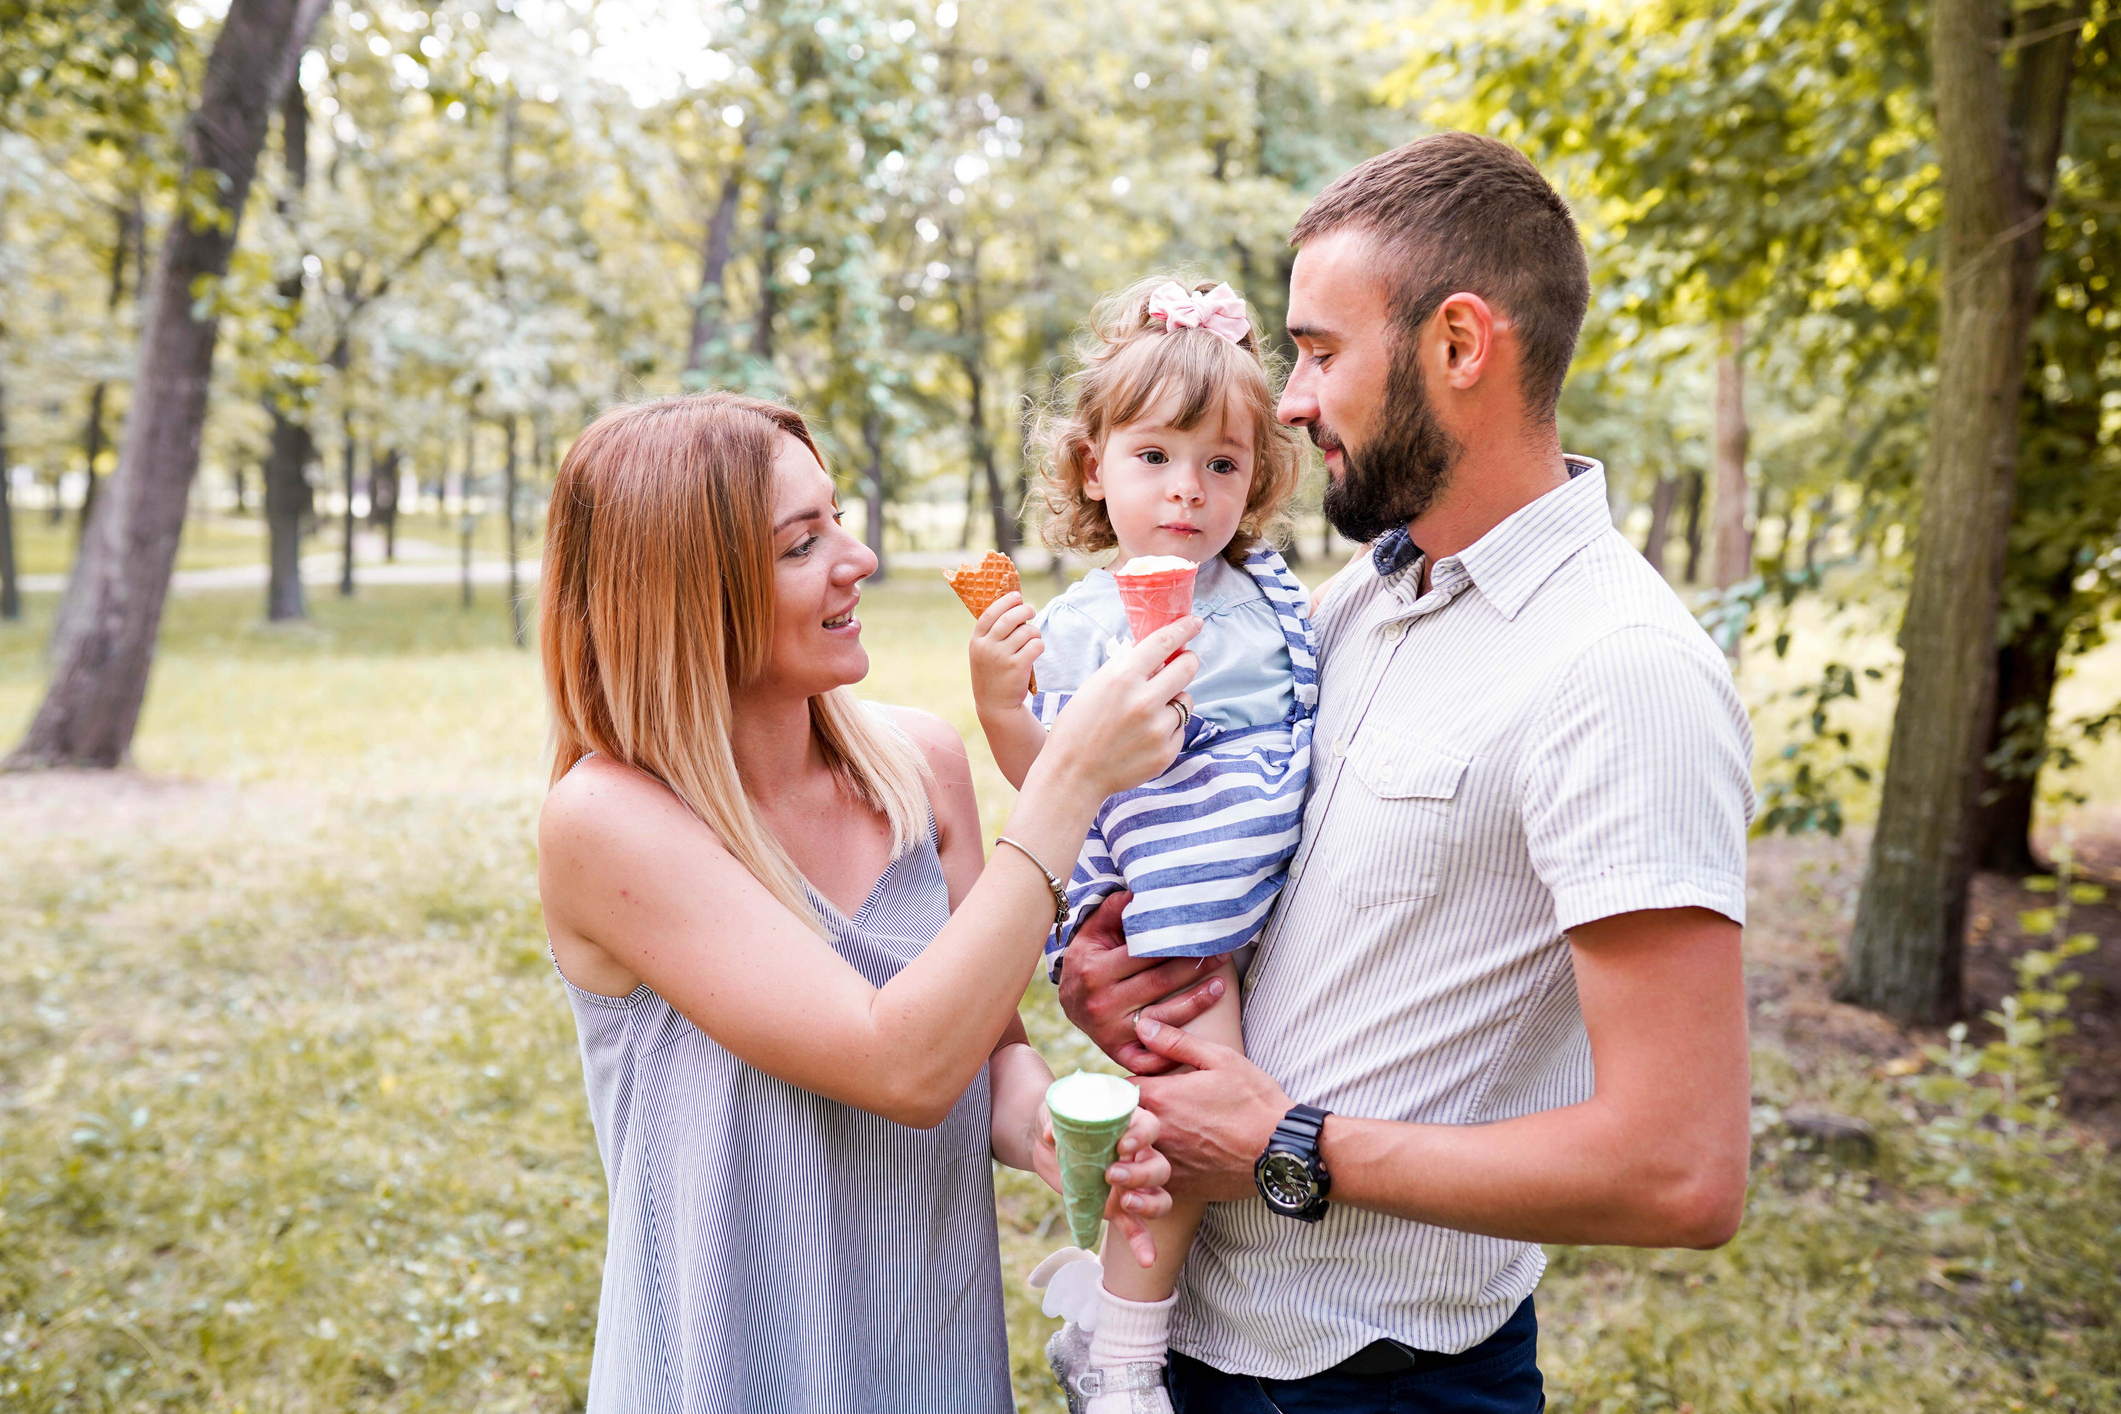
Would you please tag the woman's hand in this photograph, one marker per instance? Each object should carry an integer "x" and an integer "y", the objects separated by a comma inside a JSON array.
[
  {"x": 1005, "y": 643},
  {"x": 1137, "y": 1178},
  {"x": 1123, "y": 727}
]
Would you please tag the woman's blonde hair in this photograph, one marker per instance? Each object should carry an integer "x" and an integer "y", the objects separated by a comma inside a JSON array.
[
  {"x": 1129, "y": 365},
  {"x": 656, "y": 607}
]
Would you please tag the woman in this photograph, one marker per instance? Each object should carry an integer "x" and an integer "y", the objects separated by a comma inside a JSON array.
[{"x": 794, "y": 982}]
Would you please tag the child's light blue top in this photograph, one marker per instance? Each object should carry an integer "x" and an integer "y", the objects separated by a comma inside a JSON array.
[{"x": 1245, "y": 678}]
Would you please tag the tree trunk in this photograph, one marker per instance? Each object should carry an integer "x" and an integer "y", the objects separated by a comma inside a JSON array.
[
  {"x": 971, "y": 355},
  {"x": 288, "y": 498},
  {"x": 10, "y": 594},
  {"x": 346, "y": 518},
  {"x": 10, "y": 591},
  {"x": 383, "y": 478},
  {"x": 709, "y": 307},
  {"x": 964, "y": 534},
  {"x": 508, "y": 521},
  {"x": 91, "y": 450},
  {"x": 131, "y": 222},
  {"x": 873, "y": 492},
  {"x": 1690, "y": 496},
  {"x": 92, "y": 706},
  {"x": 1997, "y": 146},
  {"x": 769, "y": 282},
  {"x": 2017, "y": 744},
  {"x": 1734, "y": 543},
  {"x": 1661, "y": 502},
  {"x": 287, "y": 501},
  {"x": 467, "y": 523}
]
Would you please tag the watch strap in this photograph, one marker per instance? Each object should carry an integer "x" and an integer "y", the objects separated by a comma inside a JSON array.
[{"x": 1300, "y": 1128}]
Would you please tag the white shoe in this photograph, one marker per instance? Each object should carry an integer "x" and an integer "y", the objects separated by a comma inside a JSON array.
[
  {"x": 1123, "y": 1389},
  {"x": 1071, "y": 1280}
]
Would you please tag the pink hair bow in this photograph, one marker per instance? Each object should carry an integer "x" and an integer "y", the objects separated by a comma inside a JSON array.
[{"x": 1219, "y": 311}]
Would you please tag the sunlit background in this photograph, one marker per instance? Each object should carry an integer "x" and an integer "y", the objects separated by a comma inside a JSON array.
[{"x": 290, "y": 1115}]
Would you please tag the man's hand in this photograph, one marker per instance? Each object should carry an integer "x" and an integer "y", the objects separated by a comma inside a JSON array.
[
  {"x": 1217, "y": 1117},
  {"x": 1102, "y": 988}
]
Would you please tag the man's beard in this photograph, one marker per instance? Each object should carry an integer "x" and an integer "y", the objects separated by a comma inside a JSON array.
[{"x": 1401, "y": 472}]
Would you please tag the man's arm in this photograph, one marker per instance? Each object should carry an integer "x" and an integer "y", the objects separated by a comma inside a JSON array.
[{"x": 1657, "y": 1157}]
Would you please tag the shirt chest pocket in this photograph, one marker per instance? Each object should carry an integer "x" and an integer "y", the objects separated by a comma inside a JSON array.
[{"x": 1403, "y": 822}]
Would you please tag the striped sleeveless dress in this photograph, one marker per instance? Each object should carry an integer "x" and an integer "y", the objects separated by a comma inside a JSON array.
[{"x": 773, "y": 1252}]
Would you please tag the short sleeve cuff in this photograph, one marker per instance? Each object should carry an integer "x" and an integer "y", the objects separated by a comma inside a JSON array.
[{"x": 1609, "y": 895}]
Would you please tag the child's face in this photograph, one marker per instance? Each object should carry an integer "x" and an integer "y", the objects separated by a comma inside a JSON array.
[{"x": 1172, "y": 491}]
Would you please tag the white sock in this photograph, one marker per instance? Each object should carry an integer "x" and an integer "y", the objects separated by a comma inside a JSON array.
[{"x": 1131, "y": 1332}]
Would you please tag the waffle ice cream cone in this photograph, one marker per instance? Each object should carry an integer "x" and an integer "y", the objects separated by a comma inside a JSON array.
[
  {"x": 1090, "y": 1113},
  {"x": 980, "y": 582}
]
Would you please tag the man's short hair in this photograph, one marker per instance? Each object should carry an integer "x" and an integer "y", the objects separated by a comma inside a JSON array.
[{"x": 1458, "y": 211}]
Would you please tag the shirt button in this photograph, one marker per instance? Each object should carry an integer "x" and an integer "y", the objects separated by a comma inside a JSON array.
[
  {"x": 1340, "y": 747},
  {"x": 1393, "y": 631}
]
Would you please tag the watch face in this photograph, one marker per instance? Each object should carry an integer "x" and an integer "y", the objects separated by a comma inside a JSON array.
[{"x": 1286, "y": 1181}]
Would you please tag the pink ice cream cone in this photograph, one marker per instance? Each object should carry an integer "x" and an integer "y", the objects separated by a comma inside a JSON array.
[{"x": 1157, "y": 598}]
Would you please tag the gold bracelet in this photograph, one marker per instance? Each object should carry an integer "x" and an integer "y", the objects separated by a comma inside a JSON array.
[{"x": 1060, "y": 895}]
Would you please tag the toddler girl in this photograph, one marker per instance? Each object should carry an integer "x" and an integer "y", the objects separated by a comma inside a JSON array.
[{"x": 1167, "y": 450}]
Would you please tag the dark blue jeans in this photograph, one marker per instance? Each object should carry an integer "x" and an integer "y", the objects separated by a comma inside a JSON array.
[{"x": 1498, "y": 1376}]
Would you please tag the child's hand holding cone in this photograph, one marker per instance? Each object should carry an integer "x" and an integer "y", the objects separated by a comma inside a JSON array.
[
  {"x": 1136, "y": 1177},
  {"x": 1005, "y": 643}
]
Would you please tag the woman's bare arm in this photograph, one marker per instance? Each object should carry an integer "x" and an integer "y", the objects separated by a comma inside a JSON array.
[{"x": 628, "y": 873}]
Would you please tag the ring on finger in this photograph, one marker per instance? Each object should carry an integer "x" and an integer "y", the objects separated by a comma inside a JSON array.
[{"x": 1185, "y": 713}]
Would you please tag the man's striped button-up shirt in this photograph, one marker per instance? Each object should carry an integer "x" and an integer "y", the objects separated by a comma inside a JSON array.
[{"x": 1542, "y": 738}]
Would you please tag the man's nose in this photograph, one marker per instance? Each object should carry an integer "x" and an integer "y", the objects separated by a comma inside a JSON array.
[{"x": 1299, "y": 405}]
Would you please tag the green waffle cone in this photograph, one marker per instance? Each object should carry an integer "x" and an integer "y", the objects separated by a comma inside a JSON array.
[{"x": 1090, "y": 1113}]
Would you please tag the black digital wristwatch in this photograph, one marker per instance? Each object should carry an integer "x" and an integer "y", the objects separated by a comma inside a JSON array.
[{"x": 1291, "y": 1175}]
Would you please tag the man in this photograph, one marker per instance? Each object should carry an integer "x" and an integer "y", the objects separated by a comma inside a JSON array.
[{"x": 1500, "y": 1003}]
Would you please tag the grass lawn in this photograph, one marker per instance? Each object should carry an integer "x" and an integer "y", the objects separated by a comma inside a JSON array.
[
  {"x": 291, "y": 1116},
  {"x": 208, "y": 542},
  {"x": 222, "y": 541}
]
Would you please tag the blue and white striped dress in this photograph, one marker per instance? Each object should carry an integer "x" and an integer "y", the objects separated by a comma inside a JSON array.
[
  {"x": 1205, "y": 847},
  {"x": 774, "y": 1252}
]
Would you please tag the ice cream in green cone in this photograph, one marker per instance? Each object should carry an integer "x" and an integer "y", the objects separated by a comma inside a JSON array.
[{"x": 1090, "y": 1113}]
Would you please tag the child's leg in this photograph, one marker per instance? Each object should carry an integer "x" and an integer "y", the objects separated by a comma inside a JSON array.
[
  {"x": 1174, "y": 1231},
  {"x": 1135, "y": 1323}
]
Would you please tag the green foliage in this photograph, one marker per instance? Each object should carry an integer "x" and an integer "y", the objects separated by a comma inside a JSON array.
[
  {"x": 1994, "y": 1126},
  {"x": 1802, "y": 789},
  {"x": 97, "y": 63}
]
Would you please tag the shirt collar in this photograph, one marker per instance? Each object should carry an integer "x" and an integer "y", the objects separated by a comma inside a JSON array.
[{"x": 1521, "y": 552}]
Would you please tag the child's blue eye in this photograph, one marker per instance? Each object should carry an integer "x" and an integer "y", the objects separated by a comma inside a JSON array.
[
  {"x": 1222, "y": 466},
  {"x": 1153, "y": 457}
]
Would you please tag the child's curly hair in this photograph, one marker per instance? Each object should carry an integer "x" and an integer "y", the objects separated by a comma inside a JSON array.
[{"x": 1129, "y": 365}]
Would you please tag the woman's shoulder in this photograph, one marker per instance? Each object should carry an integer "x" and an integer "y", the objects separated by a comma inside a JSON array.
[
  {"x": 599, "y": 796},
  {"x": 951, "y": 796},
  {"x": 938, "y": 742}
]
